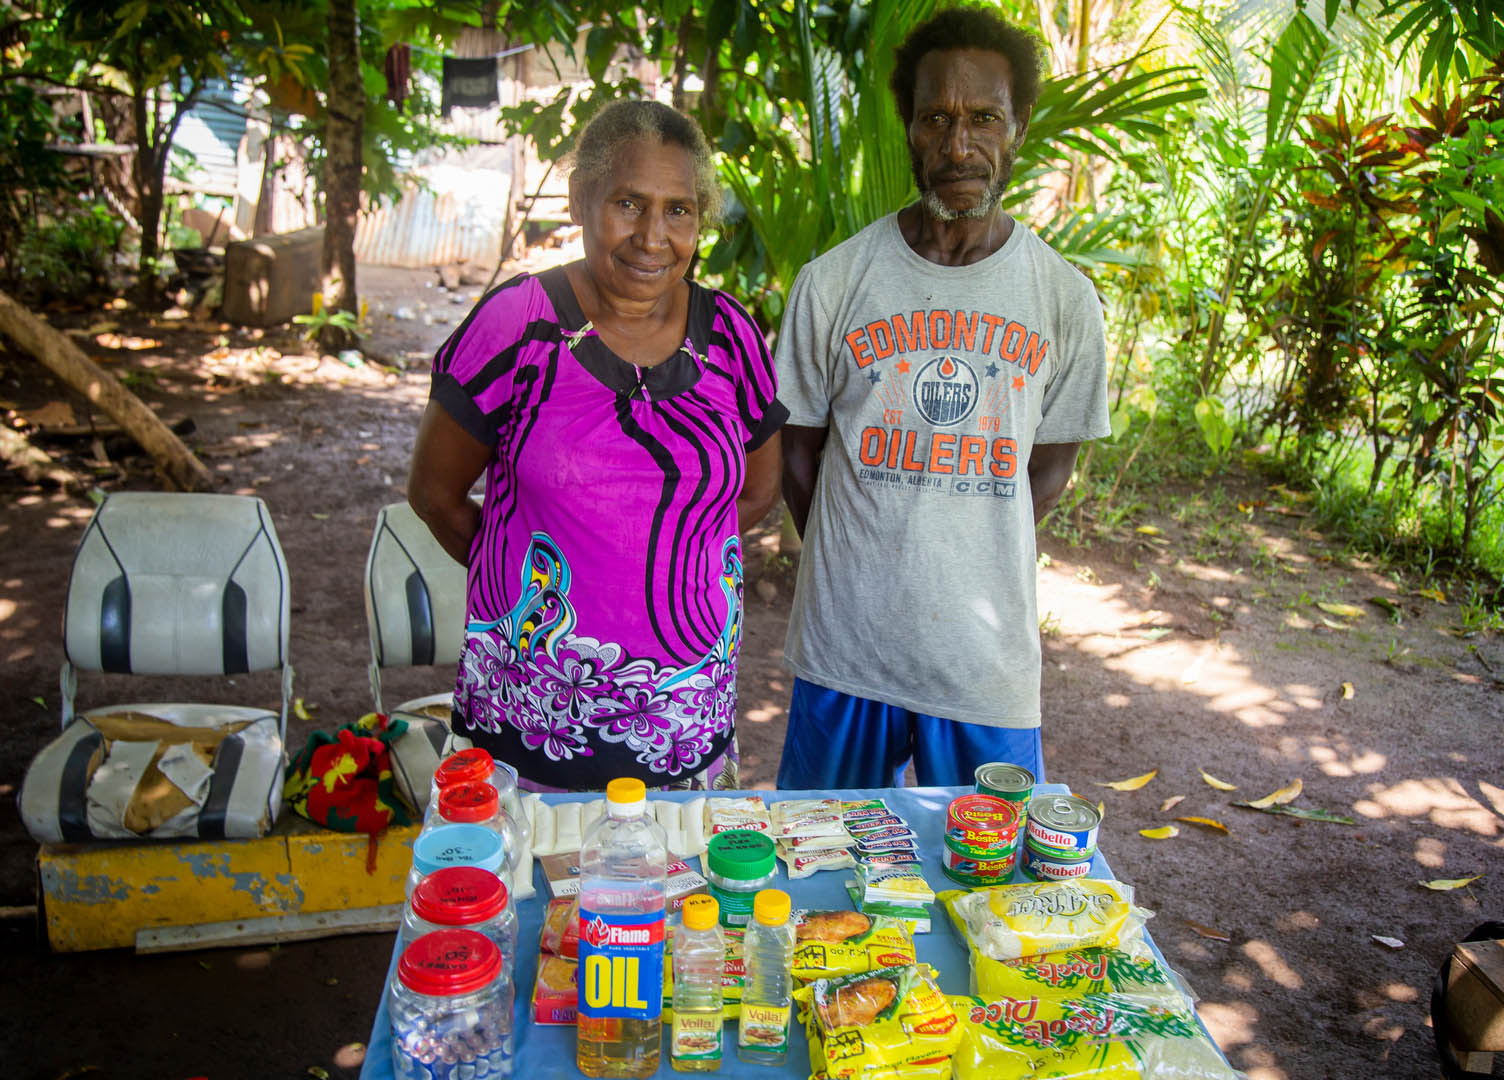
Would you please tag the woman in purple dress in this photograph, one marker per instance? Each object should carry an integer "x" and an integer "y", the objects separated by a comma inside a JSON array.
[{"x": 626, "y": 422}]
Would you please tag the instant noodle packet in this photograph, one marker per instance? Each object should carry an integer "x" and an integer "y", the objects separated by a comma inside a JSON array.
[
  {"x": 828, "y": 943},
  {"x": 889, "y": 1019},
  {"x": 724, "y": 813},
  {"x": 1005, "y": 922},
  {"x": 807, "y": 817},
  {"x": 1085, "y": 1037}
]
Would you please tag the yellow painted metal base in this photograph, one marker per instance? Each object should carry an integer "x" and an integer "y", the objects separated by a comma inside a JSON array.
[{"x": 97, "y": 896}]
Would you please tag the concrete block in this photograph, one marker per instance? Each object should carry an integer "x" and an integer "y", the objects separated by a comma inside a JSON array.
[{"x": 270, "y": 279}]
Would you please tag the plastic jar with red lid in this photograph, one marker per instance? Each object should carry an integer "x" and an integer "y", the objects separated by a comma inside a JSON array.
[
  {"x": 463, "y": 898},
  {"x": 476, "y": 766},
  {"x": 451, "y": 1009}
]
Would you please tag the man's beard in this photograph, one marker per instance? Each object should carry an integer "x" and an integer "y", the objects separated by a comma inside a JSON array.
[{"x": 936, "y": 208}]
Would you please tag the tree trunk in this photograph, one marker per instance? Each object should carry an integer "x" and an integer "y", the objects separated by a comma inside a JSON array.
[
  {"x": 342, "y": 163},
  {"x": 149, "y": 190},
  {"x": 67, "y": 361}
]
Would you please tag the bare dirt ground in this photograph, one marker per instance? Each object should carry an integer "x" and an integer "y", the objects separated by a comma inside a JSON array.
[{"x": 1201, "y": 647}]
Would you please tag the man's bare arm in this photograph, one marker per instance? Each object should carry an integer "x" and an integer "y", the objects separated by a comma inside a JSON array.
[
  {"x": 1050, "y": 466},
  {"x": 801, "y": 465}
]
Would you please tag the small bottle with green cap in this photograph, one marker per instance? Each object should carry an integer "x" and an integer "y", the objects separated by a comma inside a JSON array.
[
  {"x": 768, "y": 994},
  {"x": 739, "y": 863},
  {"x": 699, "y": 995}
]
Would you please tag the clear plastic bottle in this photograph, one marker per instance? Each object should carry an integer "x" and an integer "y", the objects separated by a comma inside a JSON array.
[
  {"x": 699, "y": 1001},
  {"x": 623, "y": 886},
  {"x": 477, "y": 803},
  {"x": 762, "y": 1036}
]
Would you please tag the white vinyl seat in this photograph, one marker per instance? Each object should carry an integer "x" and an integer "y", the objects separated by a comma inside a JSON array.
[
  {"x": 415, "y": 612},
  {"x": 168, "y": 584}
]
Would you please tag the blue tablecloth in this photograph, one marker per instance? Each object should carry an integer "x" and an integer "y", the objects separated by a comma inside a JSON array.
[{"x": 548, "y": 1051}]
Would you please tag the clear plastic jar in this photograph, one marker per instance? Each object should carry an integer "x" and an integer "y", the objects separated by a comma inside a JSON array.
[
  {"x": 476, "y": 766},
  {"x": 477, "y": 803},
  {"x": 738, "y": 864},
  {"x": 450, "y": 1003},
  {"x": 456, "y": 845},
  {"x": 463, "y": 898}
]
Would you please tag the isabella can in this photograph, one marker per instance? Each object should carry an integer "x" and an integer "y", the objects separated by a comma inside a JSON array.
[
  {"x": 1063, "y": 825},
  {"x": 1040, "y": 866}
]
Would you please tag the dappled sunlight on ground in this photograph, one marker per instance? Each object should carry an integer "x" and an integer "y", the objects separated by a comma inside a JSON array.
[
  {"x": 1441, "y": 800},
  {"x": 1274, "y": 967}
]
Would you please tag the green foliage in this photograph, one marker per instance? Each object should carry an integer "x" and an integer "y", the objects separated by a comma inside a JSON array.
[
  {"x": 68, "y": 257},
  {"x": 29, "y": 172}
]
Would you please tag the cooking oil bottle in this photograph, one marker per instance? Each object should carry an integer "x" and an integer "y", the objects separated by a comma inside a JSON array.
[
  {"x": 623, "y": 883},
  {"x": 699, "y": 996},
  {"x": 767, "y": 996}
]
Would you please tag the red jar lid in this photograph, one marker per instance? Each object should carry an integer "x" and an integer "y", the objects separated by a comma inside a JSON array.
[
  {"x": 449, "y": 962},
  {"x": 459, "y": 896},
  {"x": 464, "y": 766},
  {"x": 468, "y": 802}
]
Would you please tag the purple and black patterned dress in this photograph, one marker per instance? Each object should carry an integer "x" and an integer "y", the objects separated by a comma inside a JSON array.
[{"x": 605, "y": 585}]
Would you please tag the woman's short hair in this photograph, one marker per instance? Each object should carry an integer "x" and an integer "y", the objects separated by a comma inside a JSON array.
[
  {"x": 969, "y": 28},
  {"x": 624, "y": 122}
]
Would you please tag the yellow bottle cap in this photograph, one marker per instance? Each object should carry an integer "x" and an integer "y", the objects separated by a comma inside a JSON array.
[
  {"x": 701, "y": 912},
  {"x": 771, "y": 907},
  {"x": 625, "y": 789}
]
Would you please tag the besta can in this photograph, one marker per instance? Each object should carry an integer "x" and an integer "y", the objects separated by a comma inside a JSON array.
[
  {"x": 1042, "y": 866},
  {"x": 978, "y": 826},
  {"x": 978, "y": 873},
  {"x": 1006, "y": 781},
  {"x": 1063, "y": 825}
]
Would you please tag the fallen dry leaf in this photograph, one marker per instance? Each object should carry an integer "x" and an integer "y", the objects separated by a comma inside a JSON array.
[
  {"x": 1333, "y": 624},
  {"x": 1164, "y": 832},
  {"x": 1220, "y": 785},
  {"x": 1131, "y": 784},
  {"x": 1390, "y": 942},
  {"x": 1101, "y": 808},
  {"x": 1208, "y": 822},
  {"x": 301, "y": 711},
  {"x": 1170, "y": 803},
  {"x": 1149, "y": 530},
  {"x": 1443, "y": 884},
  {"x": 1209, "y": 931},
  {"x": 1431, "y": 594},
  {"x": 1347, "y": 691},
  {"x": 1279, "y": 798},
  {"x": 1347, "y": 611}
]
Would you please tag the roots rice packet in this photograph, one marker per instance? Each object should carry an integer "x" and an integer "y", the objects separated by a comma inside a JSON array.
[{"x": 1005, "y": 922}]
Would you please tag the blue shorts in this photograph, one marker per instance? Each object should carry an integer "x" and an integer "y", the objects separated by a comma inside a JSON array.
[{"x": 835, "y": 740}]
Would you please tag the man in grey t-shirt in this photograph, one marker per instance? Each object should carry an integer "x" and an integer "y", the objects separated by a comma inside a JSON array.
[{"x": 941, "y": 369}]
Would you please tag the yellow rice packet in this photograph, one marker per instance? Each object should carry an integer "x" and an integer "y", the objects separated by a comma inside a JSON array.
[
  {"x": 892, "y": 1018},
  {"x": 831, "y": 943},
  {"x": 1005, "y": 922},
  {"x": 1083, "y": 1037}
]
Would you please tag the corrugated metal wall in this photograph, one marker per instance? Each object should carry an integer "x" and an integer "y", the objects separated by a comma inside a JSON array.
[{"x": 458, "y": 215}]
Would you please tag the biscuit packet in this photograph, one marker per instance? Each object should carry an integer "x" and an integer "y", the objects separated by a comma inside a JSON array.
[
  {"x": 724, "y": 813},
  {"x": 792, "y": 818},
  {"x": 1082, "y": 1037},
  {"x": 802, "y": 864},
  {"x": 561, "y": 927},
  {"x": 828, "y": 943},
  {"x": 889, "y": 1019},
  {"x": 1005, "y": 922}
]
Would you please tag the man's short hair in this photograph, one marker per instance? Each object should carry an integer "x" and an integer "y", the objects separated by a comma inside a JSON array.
[{"x": 969, "y": 28}]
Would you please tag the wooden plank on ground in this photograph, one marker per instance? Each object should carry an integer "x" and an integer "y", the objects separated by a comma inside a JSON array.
[{"x": 271, "y": 930}]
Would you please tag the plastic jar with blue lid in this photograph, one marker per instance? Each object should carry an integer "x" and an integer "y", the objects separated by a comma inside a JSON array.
[{"x": 457, "y": 845}]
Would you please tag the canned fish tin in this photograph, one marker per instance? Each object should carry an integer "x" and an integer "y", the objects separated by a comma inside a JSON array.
[
  {"x": 995, "y": 871},
  {"x": 1006, "y": 781},
  {"x": 978, "y": 825},
  {"x": 1041, "y": 866},
  {"x": 1063, "y": 825}
]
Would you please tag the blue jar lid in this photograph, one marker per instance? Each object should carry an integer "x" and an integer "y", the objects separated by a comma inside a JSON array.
[{"x": 457, "y": 845}]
